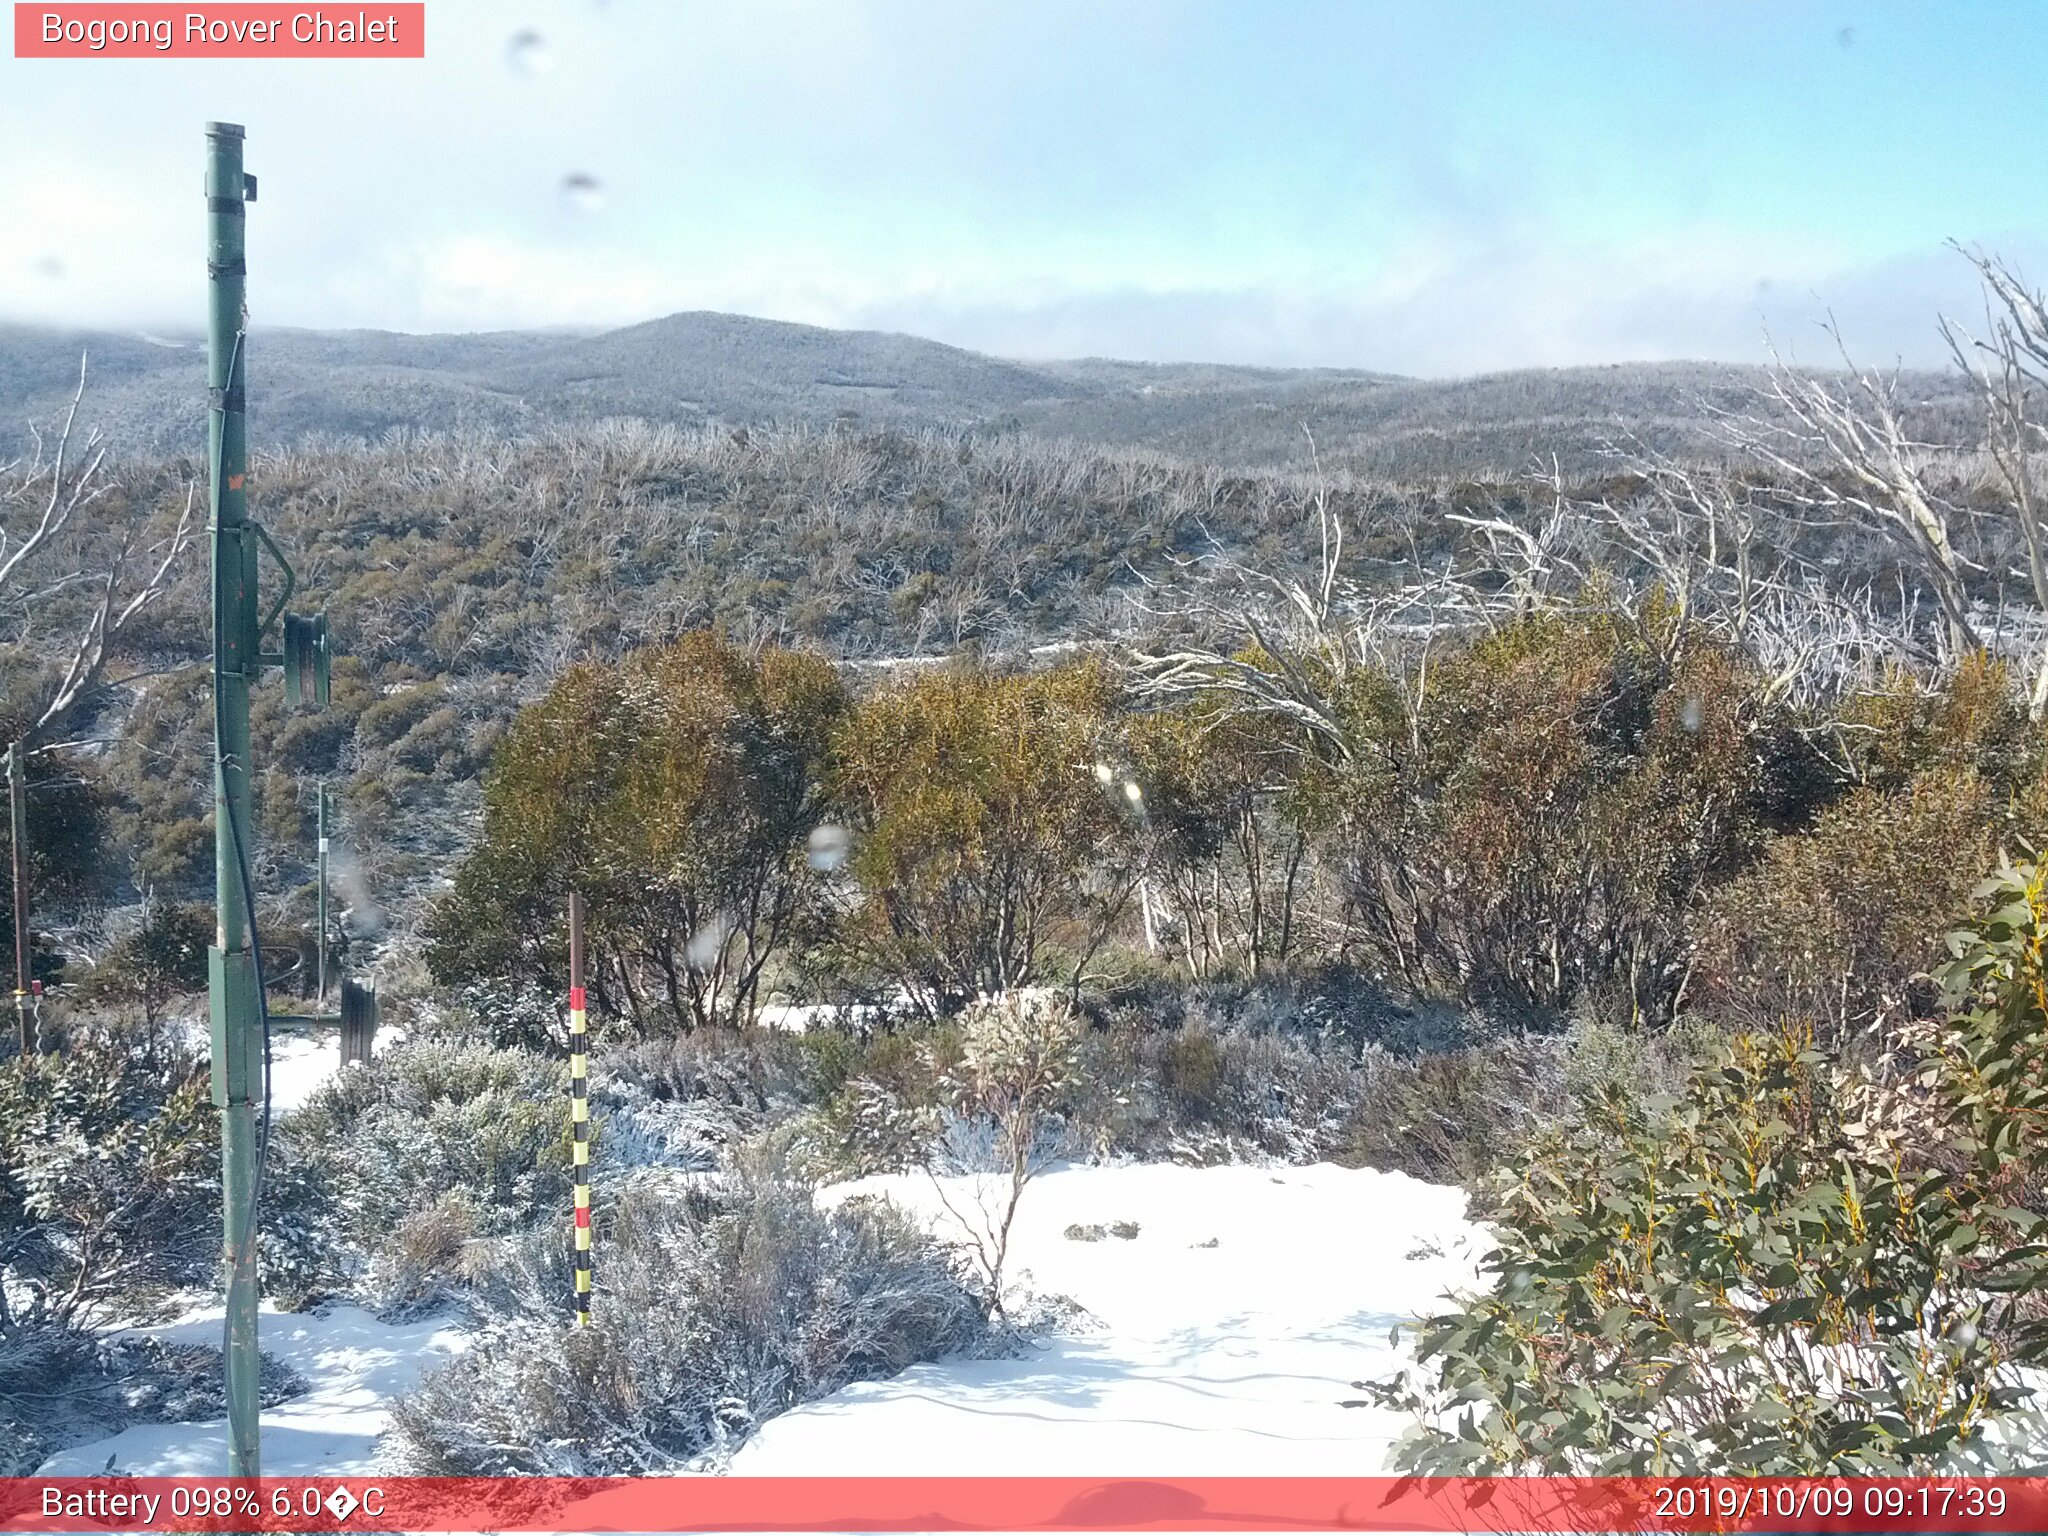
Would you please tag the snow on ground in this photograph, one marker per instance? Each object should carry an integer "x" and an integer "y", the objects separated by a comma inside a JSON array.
[
  {"x": 1223, "y": 1360},
  {"x": 353, "y": 1365},
  {"x": 1221, "y": 1339},
  {"x": 801, "y": 1018},
  {"x": 301, "y": 1062}
]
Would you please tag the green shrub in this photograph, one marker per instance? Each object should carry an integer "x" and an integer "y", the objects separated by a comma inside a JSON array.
[
  {"x": 1789, "y": 1267},
  {"x": 983, "y": 838},
  {"x": 1834, "y": 925},
  {"x": 163, "y": 959},
  {"x": 676, "y": 791},
  {"x": 1531, "y": 829}
]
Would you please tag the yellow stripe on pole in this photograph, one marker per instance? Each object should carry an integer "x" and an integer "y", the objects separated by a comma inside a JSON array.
[
  {"x": 582, "y": 1197},
  {"x": 583, "y": 1238},
  {"x": 579, "y": 1153},
  {"x": 579, "y": 1109},
  {"x": 576, "y": 1064},
  {"x": 582, "y": 1279},
  {"x": 579, "y": 1020}
]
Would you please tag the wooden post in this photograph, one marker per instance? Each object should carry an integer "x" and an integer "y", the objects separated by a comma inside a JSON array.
[{"x": 17, "y": 820}]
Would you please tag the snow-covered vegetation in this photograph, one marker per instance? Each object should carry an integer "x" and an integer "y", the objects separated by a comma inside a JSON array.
[{"x": 1270, "y": 860}]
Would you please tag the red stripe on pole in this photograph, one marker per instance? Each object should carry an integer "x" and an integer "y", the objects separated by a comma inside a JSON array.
[
  {"x": 704, "y": 1504},
  {"x": 576, "y": 997},
  {"x": 582, "y": 1215}
]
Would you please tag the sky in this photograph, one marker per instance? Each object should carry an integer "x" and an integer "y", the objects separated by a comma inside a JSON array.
[{"x": 1437, "y": 188}]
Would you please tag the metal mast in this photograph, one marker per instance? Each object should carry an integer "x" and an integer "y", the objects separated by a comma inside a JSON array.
[{"x": 237, "y": 1003}]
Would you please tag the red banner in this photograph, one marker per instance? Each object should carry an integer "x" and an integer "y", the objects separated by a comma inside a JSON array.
[
  {"x": 236, "y": 31},
  {"x": 693, "y": 1504}
]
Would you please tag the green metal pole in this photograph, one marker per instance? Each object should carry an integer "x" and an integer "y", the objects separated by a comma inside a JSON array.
[
  {"x": 237, "y": 1016},
  {"x": 321, "y": 971}
]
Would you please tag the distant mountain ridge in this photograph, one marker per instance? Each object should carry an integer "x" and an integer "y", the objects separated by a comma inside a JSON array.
[{"x": 148, "y": 393}]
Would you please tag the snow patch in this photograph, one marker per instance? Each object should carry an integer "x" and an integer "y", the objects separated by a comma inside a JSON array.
[
  {"x": 354, "y": 1366},
  {"x": 1224, "y": 1336}
]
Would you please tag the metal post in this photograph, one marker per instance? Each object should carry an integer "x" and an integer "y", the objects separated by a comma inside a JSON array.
[
  {"x": 579, "y": 1107},
  {"x": 17, "y": 812},
  {"x": 237, "y": 1008},
  {"x": 320, "y": 973}
]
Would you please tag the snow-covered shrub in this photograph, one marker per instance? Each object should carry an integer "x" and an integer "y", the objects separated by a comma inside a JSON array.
[
  {"x": 109, "y": 1175},
  {"x": 885, "y": 1107},
  {"x": 1000, "y": 1120},
  {"x": 41, "y": 1363},
  {"x": 509, "y": 1014},
  {"x": 1454, "y": 1116},
  {"x": 755, "y": 1070},
  {"x": 417, "y": 1265},
  {"x": 428, "y": 1139},
  {"x": 640, "y": 1131},
  {"x": 60, "y": 1384},
  {"x": 711, "y": 1313},
  {"x": 1203, "y": 1095}
]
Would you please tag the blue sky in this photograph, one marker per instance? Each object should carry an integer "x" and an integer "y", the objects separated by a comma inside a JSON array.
[{"x": 1428, "y": 188}]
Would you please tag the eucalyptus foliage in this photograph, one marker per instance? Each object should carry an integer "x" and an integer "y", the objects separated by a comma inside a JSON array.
[{"x": 1792, "y": 1265}]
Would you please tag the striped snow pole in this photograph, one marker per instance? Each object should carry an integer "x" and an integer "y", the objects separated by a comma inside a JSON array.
[{"x": 579, "y": 1107}]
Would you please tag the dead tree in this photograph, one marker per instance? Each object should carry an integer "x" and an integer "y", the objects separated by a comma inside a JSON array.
[
  {"x": 45, "y": 502},
  {"x": 1841, "y": 449},
  {"x": 2008, "y": 365}
]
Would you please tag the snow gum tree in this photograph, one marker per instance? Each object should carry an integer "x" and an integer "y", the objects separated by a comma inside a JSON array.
[
  {"x": 985, "y": 831},
  {"x": 676, "y": 790}
]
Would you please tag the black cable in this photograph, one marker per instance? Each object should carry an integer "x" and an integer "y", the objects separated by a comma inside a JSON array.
[
  {"x": 263, "y": 1013},
  {"x": 227, "y": 806}
]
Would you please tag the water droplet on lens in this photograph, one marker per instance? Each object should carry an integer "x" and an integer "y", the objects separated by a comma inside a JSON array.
[
  {"x": 1691, "y": 714},
  {"x": 829, "y": 847},
  {"x": 702, "y": 952},
  {"x": 527, "y": 54},
  {"x": 582, "y": 192},
  {"x": 51, "y": 267}
]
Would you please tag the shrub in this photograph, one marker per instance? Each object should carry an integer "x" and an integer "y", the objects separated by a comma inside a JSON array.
[
  {"x": 1760, "y": 1275},
  {"x": 1001, "y": 1123},
  {"x": 710, "y": 1315},
  {"x": 1230, "y": 815},
  {"x": 60, "y": 1385},
  {"x": 427, "y": 1144},
  {"x": 982, "y": 829},
  {"x": 109, "y": 1176},
  {"x": 676, "y": 792},
  {"x": 1834, "y": 925},
  {"x": 163, "y": 959},
  {"x": 1453, "y": 1117},
  {"x": 1532, "y": 828}
]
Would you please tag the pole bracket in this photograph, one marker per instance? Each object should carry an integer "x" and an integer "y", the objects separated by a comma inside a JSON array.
[{"x": 291, "y": 579}]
